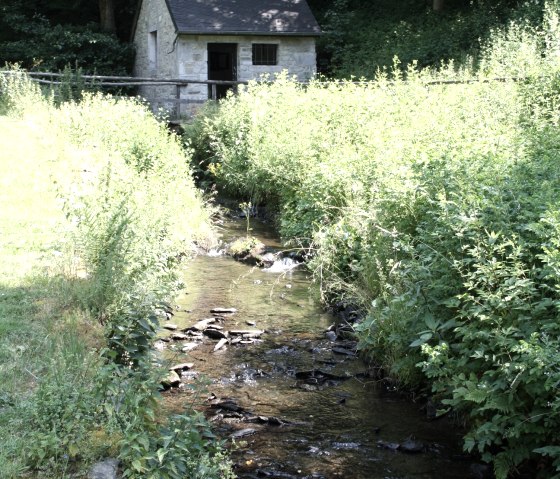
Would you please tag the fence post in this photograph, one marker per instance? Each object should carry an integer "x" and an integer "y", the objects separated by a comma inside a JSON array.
[
  {"x": 214, "y": 91},
  {"x": 178, "y": 102}
]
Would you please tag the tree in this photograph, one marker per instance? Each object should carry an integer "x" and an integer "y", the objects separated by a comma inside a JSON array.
[{"x": 107, "y": 16}]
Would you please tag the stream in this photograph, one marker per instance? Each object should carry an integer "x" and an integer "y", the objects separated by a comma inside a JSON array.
[{"x": 294, "y": 400}]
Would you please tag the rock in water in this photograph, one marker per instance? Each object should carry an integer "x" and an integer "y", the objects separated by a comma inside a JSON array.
[
  {"x": 223, "y": 310},
  {"x": 171, "y": 380},
  {"x": 216, "y": 334},
  {"x": 344, "y": 351},
  {"x": 180, "y": 367},
  {"x": 331, "y": 336},
  {"x": 202, "y": 324},
  {"x": 189, "y": 347},
  {"x": 242, "y": 433},
  {"x": 412, "y": 446},
  {"x": 106, "y": 469},
  {"x": 247, "y": 333},
  {"x": 221, "y": 343},
  {"x": 179, "y": 336}
]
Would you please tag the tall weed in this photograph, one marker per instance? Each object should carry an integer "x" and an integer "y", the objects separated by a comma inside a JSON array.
[
  {"x": 431, "y": 205},
  {"x": 132, "y": 213}
]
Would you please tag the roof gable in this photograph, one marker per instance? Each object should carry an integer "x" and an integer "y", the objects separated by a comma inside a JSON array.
[{"x": 249, "y": 17}]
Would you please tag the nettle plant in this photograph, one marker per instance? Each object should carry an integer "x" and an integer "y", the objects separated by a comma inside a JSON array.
[
  {"x": 433, "y": 207},
  {"x": 130, "y": 230}
]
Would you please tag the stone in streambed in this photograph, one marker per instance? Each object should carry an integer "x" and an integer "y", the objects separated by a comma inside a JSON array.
[
  {"x": 201, "y": 325},
  {"x": 243, "y": 433},
  {"x": 221, "y": 343},
  {"x": 180, "y": 367},
  {"x": 223, "y": 310},
  {"x": 346, "y": 445},
  {"x": 331, "y": 336},
  {"x": 344, "y": 351},
  {"x": 226, "y": 404},
  {"x": 171, "y": 380},
  {"x": 272, "y": 420},
  {"x": 106, "y": 469},
  {"x": 179, "y": 336},
  {"x": 392, "y": 446},
  {"x": 247, "y": 250},
  {"x": 247, "y": 333},
  {"x": 268, "y": 259},
  {"x": 189, "y": 347},
  {"x": 170, "y": 326},
  {"x": 216, "y": 334},
  {"x": 412, "y": 446}
]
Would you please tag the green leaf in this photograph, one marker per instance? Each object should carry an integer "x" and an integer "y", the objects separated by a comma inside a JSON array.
[
  {"x": 423, "y": 339},
  {"x": 137, "y": 465},
  {"x": 161, "y": 454}
]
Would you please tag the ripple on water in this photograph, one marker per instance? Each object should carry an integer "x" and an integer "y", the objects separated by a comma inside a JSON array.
[{"x": 330, "y": 419}]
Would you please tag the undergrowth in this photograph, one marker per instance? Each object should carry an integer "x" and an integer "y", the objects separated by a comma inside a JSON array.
[
  {"x": 97, "y": 214},
  {"x": 433, "y": 205}
]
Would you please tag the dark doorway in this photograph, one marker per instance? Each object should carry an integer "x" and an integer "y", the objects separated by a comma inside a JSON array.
[{"x": 222, "y": 65}]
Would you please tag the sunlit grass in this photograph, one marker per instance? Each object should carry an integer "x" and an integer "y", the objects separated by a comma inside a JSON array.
[
  {"x": 30, "y": 214},
  {"x": 67, "y": 174}
]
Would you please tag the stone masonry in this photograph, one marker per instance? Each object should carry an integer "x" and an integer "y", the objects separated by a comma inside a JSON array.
[{"x": 186, "y": 56}]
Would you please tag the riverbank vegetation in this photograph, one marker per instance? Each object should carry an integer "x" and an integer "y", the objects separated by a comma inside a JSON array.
[
  {"x": 98, "y": 208},
  {"x": 431, "y": 202}
]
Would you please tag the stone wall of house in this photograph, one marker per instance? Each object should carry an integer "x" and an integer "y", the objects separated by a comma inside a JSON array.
[
  {"x": 186, "y": 57},
  {"x": 154, "y": 17},
  {"x": 295, "y": 54}
]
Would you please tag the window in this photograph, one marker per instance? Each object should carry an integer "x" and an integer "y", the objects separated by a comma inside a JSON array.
[
  {"x": 265, "y": 54},
  {"x": 152, "y": 50}
]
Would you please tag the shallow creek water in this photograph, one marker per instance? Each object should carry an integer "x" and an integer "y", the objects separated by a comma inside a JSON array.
[{"x": 334, "y": 423}]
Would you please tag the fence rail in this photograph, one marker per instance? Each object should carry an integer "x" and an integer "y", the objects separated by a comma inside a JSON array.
[{"x": 50, "y": 78}]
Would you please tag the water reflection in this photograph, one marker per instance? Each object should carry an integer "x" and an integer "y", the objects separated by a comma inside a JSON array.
[{"x": 310, "y": 411}]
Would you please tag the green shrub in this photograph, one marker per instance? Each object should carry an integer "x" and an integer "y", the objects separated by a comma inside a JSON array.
[
  {"x": 18, "y": 93},
  {"x": 433, "y": 207},
  {"x": 361, "y": 37},
  {"x": 132, "y": 213},
  {"x": 37, "y": 45}
]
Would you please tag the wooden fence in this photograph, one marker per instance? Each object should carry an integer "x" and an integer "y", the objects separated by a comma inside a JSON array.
[
  {"x": 56, "y": 79},
  {"x": 48, "y": 78}
]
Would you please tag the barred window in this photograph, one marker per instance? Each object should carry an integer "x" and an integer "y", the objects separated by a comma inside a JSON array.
[{"x": 265, "y": 54}]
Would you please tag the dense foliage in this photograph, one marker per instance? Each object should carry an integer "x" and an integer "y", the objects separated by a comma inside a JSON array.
[
  {"x": 434, "y": 206},
  {"x": 125, "y": 186},
  {"x": 49, "y": 39},
  {"x": 360, "y": 36},
  {"x": 363, "y": 36}
]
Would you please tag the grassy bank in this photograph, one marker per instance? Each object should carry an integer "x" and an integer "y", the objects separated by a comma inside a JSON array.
[
  {"x": 433, "y": 206},
  {"x": 98, "y": 208}
]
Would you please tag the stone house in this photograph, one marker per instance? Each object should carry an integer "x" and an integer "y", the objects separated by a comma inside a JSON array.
[{"x": 227, "y": 40}]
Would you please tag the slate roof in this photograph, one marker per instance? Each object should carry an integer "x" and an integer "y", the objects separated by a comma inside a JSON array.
[{"x": 243, "y": 17}]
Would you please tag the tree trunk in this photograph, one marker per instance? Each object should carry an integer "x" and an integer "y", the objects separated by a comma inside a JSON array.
[
  {"x": 438, "y": 5},
  {"x": 107, "y": 16}
]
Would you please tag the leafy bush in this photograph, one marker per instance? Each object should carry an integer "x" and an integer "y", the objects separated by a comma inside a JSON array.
[
  {"x": 33, "y": 42},
  {"x": 17, "y": 92},
  {"x": 133, "y": 212},
  {"x": 362, "y": 37},
  {"x": 433, "y": 206}
]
